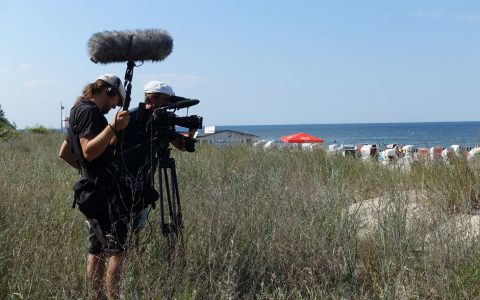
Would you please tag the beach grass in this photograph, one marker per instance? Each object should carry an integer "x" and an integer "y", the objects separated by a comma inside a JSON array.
[{"x": 257, "y": 225}]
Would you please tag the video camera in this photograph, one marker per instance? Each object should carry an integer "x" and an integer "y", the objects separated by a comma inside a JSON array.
[
  {"x": 163, "y": 121},
  {"x": 165, "y": 118}
]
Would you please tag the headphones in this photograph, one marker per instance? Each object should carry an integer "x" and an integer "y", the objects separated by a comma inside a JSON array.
[{"x": 112, "y": 89}]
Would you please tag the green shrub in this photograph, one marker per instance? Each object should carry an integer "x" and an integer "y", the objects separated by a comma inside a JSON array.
[
  {"x": 7, "y": 129},
  {"x": 39, "y": 129}
]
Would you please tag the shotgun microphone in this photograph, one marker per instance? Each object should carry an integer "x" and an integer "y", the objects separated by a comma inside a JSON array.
[
  {"x": 181, "y": 104},
  {"x": 175, "y": 99},
  {"x": 186, "y": 103},
  {"x": 131, "y": 45}
]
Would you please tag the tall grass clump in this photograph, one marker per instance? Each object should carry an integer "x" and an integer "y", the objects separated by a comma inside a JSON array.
[
  {"x": 274, "y": 224},
  {"x": 454, "y": 186}
]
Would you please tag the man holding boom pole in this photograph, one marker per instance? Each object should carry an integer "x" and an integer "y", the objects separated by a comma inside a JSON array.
[{"x": 89, "y": 148}]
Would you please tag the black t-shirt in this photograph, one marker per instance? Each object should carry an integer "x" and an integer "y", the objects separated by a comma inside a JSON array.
[
  {"x": 140, "y": 144},
  {"x": 87, "y": 119}
]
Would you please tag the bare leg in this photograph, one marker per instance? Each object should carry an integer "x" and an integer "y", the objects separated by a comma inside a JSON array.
[
  {"x": 114, "y": 275},
  {"x": 96, "y": 273}
]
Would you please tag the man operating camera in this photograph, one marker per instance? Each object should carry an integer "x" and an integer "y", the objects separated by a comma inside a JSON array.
[{"x": 141, "y": 142}]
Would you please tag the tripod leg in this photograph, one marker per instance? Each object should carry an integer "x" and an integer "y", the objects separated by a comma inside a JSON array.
[
  {"x": 175, "y": 189},
  {"x": 177, "y": 221},
  {"x": 171, "y": 207},
  {"x": 172, "y": 229},
  {"x": 164, "y": 226}
]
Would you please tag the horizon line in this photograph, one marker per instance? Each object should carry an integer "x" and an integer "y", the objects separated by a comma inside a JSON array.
[{"x": 353, "y": 123}]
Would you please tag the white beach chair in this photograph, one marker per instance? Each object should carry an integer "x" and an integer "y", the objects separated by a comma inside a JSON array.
[
  {"x": 347, "y": 150},
  {"x": 436, "y": 152},
  {"x": 422, "y": 153},
  {"x": 473, "y": 153},
  {"x": 260, "y": 143},
  {"x": 269, "y": 145},
  {"x": 457, "y": 150},
  {"x": 367, "y": 152},
  {"x": 389, "y": 154},
  {"x": 408, "y": 150},
  {"x": 332, "y": 149}
]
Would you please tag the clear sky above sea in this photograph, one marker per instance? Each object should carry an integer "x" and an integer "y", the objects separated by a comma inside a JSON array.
[{"x": 256, "y": 62}]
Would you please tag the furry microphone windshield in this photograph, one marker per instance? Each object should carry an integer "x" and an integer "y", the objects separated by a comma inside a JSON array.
[{"x": 139, "y": 45}]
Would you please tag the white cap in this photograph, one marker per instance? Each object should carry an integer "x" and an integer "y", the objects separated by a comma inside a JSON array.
[
  {"x": 157, "y": 87},
  {"x": 115, "y": 82}
]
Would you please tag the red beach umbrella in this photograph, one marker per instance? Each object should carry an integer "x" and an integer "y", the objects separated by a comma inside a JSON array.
[{"x": 301, "y": 138}]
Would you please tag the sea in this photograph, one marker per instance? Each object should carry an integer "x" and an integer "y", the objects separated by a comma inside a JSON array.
[{"x": 428, "y": 134}]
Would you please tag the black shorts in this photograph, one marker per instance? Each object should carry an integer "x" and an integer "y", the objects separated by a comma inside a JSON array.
[
  {"x": 114, "y": 236},
  {"x": 113, "y": 217}
]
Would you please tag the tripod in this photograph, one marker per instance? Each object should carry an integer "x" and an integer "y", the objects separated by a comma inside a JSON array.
[{"x": 169, "y": 196}]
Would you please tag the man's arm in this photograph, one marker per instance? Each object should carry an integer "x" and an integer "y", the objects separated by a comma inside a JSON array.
[
  {"x": 184, "y": 143},
  {"x": 94, "y": 146},
  {"x": 67, "y": 155}
]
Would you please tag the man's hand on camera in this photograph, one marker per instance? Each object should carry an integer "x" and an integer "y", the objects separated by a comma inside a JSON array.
[{"x": 191, "y": 132}]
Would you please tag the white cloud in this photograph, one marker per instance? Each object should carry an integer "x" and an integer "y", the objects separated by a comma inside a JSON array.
[
  {"x": 24, "y": 67},
  {"x": 5, "y": 70},
  {"x": 15, "y": 70},
  {"x": 37, "y": 82},
  {"x": 441, "y": 14},
  {"x": 176, "y": 80}
]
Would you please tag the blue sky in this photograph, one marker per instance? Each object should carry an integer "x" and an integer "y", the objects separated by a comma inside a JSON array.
[{"x": 256, "y": 62}]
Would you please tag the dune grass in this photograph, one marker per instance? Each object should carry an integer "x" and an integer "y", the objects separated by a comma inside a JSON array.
[{"x": 258, "y": 225}]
